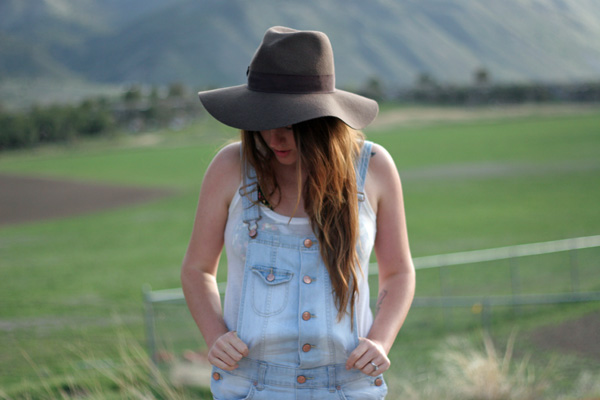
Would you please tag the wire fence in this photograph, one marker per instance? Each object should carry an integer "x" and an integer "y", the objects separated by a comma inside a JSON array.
[{"x": 529, "y": 274}]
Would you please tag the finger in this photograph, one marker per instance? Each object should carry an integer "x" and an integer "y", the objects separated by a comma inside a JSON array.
[
  {"x": 223, "y": 366},
  {"x": 217, "y": 352},
  {"x": 240, "y": 346},
  {"x": 356, "y": 354},
  {"x": 373, "y": 361},
  {"x": 219, "y": 363},
  {"x": 373, "y": 368},
  {"x": 384, "y": 366},
  {"x": 234, "y": 347},
  {"x": 364, "y": 361},
  {"x": 224, "y": 353},
  {"x": 226, "y": 357},
  {"x": 367, "y": 353},
  {"x": 229, "y": 349},
  {"x": 382, "y": 363},
  {"x": 370, "y": 368},
  {"x": 232, "y": 355}
]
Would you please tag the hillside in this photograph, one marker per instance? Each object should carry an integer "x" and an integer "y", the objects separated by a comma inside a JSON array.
[{"x": 209, "y": 43}]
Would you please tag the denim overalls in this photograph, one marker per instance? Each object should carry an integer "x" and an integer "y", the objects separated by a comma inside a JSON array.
[{"x": 288, "y": 319}]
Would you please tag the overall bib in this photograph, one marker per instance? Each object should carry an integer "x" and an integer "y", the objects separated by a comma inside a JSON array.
[{"x": 288, "y": 319}]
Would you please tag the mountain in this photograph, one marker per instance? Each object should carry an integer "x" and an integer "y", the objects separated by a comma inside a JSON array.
[
  {"x": 210, "y": 42},
  {"x": 38, "y": 38}
]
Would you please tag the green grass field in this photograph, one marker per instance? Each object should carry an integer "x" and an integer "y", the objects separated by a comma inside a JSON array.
[{"x": 70, "y": 285}]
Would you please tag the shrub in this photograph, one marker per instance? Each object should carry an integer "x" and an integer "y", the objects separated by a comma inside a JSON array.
[{"x": 16, "y": 130}]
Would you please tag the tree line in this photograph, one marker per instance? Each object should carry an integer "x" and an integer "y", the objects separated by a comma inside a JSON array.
[
  {"x": 482, "y": 91},
  {"x": 139, "y": 109}
]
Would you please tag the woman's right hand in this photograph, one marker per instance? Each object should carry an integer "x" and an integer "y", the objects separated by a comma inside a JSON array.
[{"x": 226, "y": 351}]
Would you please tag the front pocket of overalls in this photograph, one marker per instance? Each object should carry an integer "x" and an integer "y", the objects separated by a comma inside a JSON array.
[
  {"x": 363, "y": 389},
  {"x": 231, "y": 387},
  {"x": 270, "y": 290}
]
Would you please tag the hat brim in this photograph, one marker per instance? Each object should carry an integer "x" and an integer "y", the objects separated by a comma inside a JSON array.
[{"x": 242, "y": 108}]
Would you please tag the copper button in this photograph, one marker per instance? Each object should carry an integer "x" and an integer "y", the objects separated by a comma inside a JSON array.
[
  {"x": 378, "y": 382},
  {"x": 216, "y": 376},
  {"x": 270, "y": 277},
  {"x": 306, "y": 315},
  {"x": 306, "y": 348},
  {"x": 253, "y": 233},
  {"x": 308, "y": 243},
  {"x": 307, "y": 279},
  {"x": 301, "y": 379}
]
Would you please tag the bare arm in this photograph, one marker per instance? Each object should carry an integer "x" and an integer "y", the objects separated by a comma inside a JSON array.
[
  {"x": 200, "y": 264},
  {"x": 396, "y": 270}
]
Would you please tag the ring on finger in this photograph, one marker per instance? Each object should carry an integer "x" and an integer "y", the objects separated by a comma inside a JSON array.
[{"x": 374, "y": 366}]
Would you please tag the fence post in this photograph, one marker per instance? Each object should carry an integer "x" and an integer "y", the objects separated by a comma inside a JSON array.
[
  {"x": 573, "y": 261},
  {"x": 445, "y": 293},
  {"x": 515, "y": 282},
  {"x": 149, "y": 321},
  {"x": 486, "y": 315}
]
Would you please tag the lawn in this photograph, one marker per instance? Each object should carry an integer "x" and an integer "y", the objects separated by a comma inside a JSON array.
[{"x": 70, "y": 285}]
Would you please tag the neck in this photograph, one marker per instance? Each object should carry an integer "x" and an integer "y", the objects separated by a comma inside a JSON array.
[
  {"x": 287, "y": 175},
  {"x": 286, "y": 200}
]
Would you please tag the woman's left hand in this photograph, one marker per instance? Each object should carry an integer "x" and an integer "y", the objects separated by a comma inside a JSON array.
[{"x": 369, "y": 358}]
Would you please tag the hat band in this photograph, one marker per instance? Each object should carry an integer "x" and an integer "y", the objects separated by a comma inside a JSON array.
[{"x": 292, "y": 84}]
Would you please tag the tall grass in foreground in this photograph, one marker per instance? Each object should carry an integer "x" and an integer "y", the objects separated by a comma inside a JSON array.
[
  {"x": 132, "y": 375},
  {"x": 466, "y": 371},
  {"x": 469, "y": 372}
]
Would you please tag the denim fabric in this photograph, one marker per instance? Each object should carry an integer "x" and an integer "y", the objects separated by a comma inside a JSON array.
[
  {"x": 288, "y": 319},
  {"x": 261, "y": 380}
]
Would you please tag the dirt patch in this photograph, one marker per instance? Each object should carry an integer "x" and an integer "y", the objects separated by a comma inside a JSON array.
[
  {"x": 580, "y": 336},
  {"x": 26, "y": 199}
]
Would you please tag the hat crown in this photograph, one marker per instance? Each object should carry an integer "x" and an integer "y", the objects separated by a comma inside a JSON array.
[{"x": 286, "y": 51}]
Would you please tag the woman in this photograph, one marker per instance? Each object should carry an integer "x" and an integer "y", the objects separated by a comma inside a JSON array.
[{"x": 299, "y": 204}]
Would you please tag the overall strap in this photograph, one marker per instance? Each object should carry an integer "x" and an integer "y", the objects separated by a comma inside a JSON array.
[
  {"x": 249, "y": 194},
  {"x": 361, "y": 167}
]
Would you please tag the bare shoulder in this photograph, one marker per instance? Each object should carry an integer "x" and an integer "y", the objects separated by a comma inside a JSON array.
[
  {"x": 223, "y": 175},
  {"x": 228, "y": 156},
  {"x": 381, "y": 166},
  {"x": 383, "y": 180}
]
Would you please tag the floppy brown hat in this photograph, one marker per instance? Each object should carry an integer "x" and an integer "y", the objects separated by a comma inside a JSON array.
[{"x": 291, "y": 79}]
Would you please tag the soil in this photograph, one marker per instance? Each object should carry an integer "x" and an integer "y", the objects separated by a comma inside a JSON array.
[
  {"x": 580, "y": 336},
  {"x": 28, "y": 199}
]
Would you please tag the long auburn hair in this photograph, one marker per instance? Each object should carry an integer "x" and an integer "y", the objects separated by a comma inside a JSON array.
[{"x": 327, "y": 150}]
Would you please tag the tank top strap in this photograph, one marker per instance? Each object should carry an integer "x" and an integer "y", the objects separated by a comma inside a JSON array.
[
  {"x": 249, "y": 194},
  {"x": 361, "y": 167}
]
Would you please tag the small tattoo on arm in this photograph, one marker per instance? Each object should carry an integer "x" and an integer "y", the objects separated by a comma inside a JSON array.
[
  {"x": 380, "y": 300},
  {"x": 373, "y": 154}
]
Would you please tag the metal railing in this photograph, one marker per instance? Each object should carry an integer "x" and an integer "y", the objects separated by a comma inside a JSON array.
[{"x": 512, "y": 253}]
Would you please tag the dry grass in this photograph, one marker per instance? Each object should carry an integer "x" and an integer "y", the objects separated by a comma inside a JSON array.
[
  {"x": 131, "y": 376},
  {"x": 488, "y": 375},
  {"x": 137, "y": 377},
  {"x": 466, "y": 371}
]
